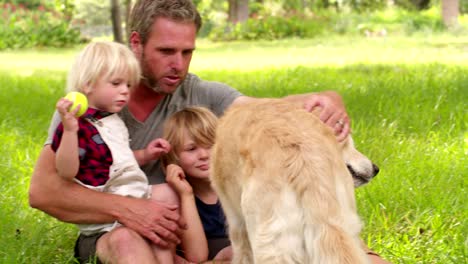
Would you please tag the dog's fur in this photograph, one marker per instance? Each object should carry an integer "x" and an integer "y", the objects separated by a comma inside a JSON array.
[{"x": 283, "y": 182}]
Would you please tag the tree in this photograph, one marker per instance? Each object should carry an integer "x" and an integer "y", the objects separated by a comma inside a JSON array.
[
  {"x": 128, "y": 9},
  {"x": 238, "y": 11},
  {"x": 116, "y": 21},
  {"x": 450, "y": 11}
]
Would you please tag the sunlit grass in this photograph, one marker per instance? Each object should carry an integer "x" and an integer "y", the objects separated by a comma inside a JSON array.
[
  {"x": 407, "y": 99},
  {"x": 247, "y": 56},
  {"x": 332, "y": 52}
]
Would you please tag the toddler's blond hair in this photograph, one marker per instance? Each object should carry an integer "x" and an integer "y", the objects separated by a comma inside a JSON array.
[{"x": 102, "y": 59}]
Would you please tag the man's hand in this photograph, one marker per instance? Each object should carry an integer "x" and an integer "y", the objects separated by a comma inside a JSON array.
[
  {"x": 333, "y": 112},
  {"x": 156, "y": 221},
  {"x": 332, "y": 109}
]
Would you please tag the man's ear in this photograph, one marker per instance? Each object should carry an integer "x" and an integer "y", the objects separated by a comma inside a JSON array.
[{"x": 136, "y": 43}]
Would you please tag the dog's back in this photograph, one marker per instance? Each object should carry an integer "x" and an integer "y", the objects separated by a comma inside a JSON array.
[{"x": 285, "y": 189}]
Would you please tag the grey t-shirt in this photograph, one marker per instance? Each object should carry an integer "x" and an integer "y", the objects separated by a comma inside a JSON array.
[{"x": 193, "y": 91}]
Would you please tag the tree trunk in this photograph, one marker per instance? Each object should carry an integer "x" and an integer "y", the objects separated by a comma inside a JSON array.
[
  {"x": 422, "y": 4},
  {"x": 116, "y": 21},
  {"x": 450, "y": 11},
  {"x": 238, "y": 11},
  {"x": 128, "y": 9}
]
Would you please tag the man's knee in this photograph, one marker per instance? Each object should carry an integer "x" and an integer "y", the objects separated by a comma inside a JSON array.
[
  {"x": 164, "y": 193},
  {"x": 119, "y": 241}
]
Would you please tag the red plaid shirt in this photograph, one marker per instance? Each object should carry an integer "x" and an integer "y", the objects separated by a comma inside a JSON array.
[{"x": 95, "y": 155}]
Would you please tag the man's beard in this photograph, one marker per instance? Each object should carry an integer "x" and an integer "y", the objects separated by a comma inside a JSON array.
[
  {"x": 147, "y": 77},
  {"x": 149, "y": 80}
]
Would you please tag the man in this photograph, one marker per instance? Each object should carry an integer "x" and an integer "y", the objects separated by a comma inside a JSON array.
[{"x": 162, "y": 37}]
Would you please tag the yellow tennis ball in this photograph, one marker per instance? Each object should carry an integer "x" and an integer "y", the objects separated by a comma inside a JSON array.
[{"x": 78, "y": 99}]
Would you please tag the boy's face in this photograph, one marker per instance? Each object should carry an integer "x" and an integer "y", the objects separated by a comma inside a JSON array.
[
  {"x": 194, "y": 159},
  {"x": 166, "y": 56},
  {"x": 109, "y": 94}
]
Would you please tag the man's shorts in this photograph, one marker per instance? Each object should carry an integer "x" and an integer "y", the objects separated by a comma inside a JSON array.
[
  {"x": 85, "y": 248},
  {"x": 215, "y": 245}
]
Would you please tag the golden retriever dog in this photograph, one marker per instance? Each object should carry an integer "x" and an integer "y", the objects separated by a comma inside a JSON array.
[{"x": 284, "y": 184}]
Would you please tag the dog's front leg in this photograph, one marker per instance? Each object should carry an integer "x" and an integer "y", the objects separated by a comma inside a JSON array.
[{"x": 242, "y": 252}]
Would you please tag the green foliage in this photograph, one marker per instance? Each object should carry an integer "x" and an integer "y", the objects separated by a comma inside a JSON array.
[
  {"x": 268, "y": 28},
  {"x": 23, "y": 28},
  {"x": 275, "y": 19},
  {"x": 23, "y": 3},
  {"x": 464, "y": 7},
  {"x": 366, "y": 5},
  {"x": 66, "y": 7},
  {"x": 415, "y": 4},
  {"x": 394, "y": 21},
  {"x": 93, "y": 12},
  {"x": 28, "y": 234}
]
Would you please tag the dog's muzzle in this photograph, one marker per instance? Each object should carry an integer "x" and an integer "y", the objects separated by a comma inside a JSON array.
[{"x": 361, "y": 178}]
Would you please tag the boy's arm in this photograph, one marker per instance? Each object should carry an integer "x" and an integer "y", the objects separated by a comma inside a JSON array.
[
  {"x": 194, "y": 243},
  {"x": 140, "y": 157},
  {"x": 67, "y": 157},
  {"x": 193, "y": 239}
]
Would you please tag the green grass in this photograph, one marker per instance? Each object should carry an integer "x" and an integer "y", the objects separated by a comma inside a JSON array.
[{"x": 407, "y": 99}]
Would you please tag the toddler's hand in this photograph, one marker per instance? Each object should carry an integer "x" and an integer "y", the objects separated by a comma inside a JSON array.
[
  {"x": 69, "y": 120},
  {"x": 156, "y": 148}
]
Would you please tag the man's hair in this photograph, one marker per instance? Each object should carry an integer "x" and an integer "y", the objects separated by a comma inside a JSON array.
[
  {"x": 102, "y": 60},
  {"x": 145, "y": 12},
  {"x": 198, "y": 122}
]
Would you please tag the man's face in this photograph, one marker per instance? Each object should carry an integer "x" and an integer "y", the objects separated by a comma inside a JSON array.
[{"x": 166, "y": 56}]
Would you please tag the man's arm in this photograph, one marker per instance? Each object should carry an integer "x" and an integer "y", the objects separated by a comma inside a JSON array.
[
  {"x": 70, "y": 202},
  {"x": 330, "y": 103}
]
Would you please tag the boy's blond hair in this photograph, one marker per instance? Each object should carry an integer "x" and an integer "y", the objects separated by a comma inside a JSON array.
[
  {"x": 200, "y": 124},
  {"x": 102, "y": 60}
]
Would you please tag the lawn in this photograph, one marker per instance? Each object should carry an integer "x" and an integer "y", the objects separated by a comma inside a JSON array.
[{"x": 407, "y": 98}]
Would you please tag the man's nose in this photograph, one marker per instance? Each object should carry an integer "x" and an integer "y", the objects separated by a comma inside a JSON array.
[{"x": 177, "y": 61}]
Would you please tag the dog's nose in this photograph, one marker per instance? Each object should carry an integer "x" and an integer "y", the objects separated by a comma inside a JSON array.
[{"x": 376, "y": 169}]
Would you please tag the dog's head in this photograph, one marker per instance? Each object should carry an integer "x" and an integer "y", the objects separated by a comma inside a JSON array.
[{"x": 360, "y": 167}]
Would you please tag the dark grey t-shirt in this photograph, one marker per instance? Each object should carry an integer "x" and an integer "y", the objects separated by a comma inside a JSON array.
[{"x": 193, "y": 91}]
